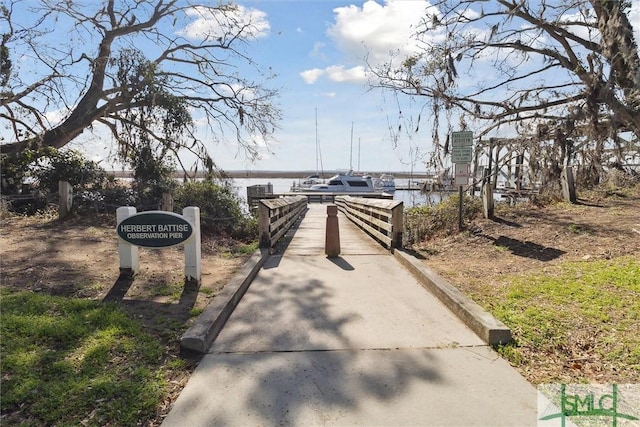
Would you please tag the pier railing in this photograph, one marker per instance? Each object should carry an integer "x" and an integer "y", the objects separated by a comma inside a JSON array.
[
  {"x": 276, "y": 216},
  {"x": 381, "y": 219},
  {"x": 330, "y": 197}
]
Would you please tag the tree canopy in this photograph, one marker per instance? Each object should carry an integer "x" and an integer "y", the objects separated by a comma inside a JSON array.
[
  {"x": 567, "y": 72},
  {"x": 151, "y": 71}
]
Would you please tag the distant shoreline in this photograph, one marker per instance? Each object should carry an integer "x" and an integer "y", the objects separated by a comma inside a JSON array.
[{"x": 279, "y": 174}]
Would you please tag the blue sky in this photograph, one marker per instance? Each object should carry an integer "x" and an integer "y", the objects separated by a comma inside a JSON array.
[{"x": 318, "y": 49}]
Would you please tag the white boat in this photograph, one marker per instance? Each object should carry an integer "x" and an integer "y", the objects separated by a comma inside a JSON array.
[
  {"x": 346, "y": 183},
  {"x": 386, "y": 183},
  {"x": 306, "y": 183}
]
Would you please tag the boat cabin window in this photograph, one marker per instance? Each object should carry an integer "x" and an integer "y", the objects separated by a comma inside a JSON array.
[
  {"x": 335, "y": 182},
  {"x": 357, "y": 183}
]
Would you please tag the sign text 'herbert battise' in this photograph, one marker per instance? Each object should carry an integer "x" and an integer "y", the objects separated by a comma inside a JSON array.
[{"x": 155, "y": 229}]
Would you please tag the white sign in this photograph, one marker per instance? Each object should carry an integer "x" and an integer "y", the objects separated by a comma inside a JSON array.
[
  {"x": 158, "y": 232},
  {"x": 462, "y": 173}
]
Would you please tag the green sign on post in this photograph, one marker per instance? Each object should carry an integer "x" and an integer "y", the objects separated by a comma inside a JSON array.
[
  {"x": 461, "y": 154},
  {"x": 461, "y": 147}
]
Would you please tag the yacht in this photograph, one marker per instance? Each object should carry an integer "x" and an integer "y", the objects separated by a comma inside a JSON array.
[
  {"x": 306, "y": 183},
  {"x": 346, "y": 183},
  {"x": 386, "y": 183}
]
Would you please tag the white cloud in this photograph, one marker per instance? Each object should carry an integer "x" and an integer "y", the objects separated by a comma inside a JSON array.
[
  {"x": 211, "y": 24},
  {"x": 336, "y": 73},
  {"x": 371, "y": 33},
  {"x": 375, "y": 30},
  {"x": 317, "y": 50},
  {"x": 56, "y": 116},
  {"x": 311, "y": 76},
  {"x": 340, "y": 74}
]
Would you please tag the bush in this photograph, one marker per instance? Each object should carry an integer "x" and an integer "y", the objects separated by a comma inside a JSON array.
[
  {"x": 70, "y": 166},
  {"x": 220, "y": 209},
  {"x": 425, "y": 222},
  {"x": 44, "y": 168},
  {"x": 16, "y": 167}
]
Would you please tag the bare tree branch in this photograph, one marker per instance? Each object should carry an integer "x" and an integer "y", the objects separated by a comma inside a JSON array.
[{"x": 100, "y": 73}]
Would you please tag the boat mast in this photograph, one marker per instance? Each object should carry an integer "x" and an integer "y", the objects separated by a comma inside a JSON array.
[
  {"x": 318, "y": 152},
  {"x": 317, "y": 147},
  {"x": 351, "y": 150},
  {"x": 359, "y": 155}
]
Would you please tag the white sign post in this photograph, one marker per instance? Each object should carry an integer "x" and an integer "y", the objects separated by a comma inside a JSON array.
[
  {"x": 193, "y": 248},
  {"x": 129, "y": 260},
  {"x": 461, "y": 156}
]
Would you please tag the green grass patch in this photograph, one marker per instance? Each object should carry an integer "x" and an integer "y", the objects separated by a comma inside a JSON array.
[
  {"x": 580, "y": 311},
  {"x": 194, "y": 312},
  {"x": 247, "y": 248},
  {"x": 76, "y": 362},
  {"x": 172, "y": 289}
]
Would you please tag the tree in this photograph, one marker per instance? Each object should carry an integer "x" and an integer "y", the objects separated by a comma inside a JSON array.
[
  {"x": 145, "y": 69},
  {"x": 564, "y": 75}
]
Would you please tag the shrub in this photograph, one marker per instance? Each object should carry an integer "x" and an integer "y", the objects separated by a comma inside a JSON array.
[
  {"x": 425, "y": 222},
  {"x": 15, "y": 168},
  {"x": 220, "y": 209},
  {"x": 93, "y": 188},
  {"x": 70, "y": 166}
]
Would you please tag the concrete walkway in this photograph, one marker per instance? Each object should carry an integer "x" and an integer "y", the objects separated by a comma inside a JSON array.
[{"x": 354, "y": 340}]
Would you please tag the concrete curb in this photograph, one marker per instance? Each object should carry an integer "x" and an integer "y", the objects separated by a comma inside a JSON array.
[
  {"x": 487, "y": 327},
  {"x": 199, "y": 337}
]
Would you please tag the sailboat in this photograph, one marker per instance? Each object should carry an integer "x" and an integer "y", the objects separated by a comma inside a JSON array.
[{"x": 307, "y": 182}]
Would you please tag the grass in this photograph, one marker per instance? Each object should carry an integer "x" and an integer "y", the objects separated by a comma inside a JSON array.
[
  {"x": 240, "y": 249},
  {"x": 583, "y": 317},
  {"x": 76, "y": 362},
  {"x": 426, "y": 222}
]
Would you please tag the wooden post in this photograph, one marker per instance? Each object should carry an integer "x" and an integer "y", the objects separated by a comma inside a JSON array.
[
  {"x": 397, "y": 214},
  {"x": 167, "y": 202},
  {"x": 568, "y": 186},
  {"x": 263, "y": 225},
  {"x": 193, "y": 248},
  {"x": 497, "y": 166},
  {"x": 487, "y": 201},
  {"x": 128, "y": 253},
  {"x": 65, "y": 190},
  {"x": 332, "y": 233},
  {"x": 489, "y": 169},
  {"x": 519, "y": 167}
]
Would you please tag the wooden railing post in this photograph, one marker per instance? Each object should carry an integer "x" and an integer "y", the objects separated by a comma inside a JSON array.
[
  {"x": 397, "y": 214},
  {"x": 264, "y": 219}
]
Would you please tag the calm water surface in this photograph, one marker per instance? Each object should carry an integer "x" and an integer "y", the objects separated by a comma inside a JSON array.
[{"x": 283, "y": 185}]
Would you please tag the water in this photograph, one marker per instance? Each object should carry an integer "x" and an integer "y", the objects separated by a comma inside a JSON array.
[{"x": 283, "y": 185}]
